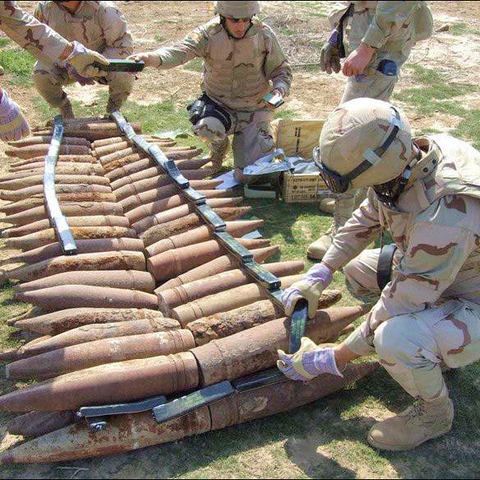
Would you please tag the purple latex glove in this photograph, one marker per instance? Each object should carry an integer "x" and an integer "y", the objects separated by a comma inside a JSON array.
[
  {"x": 308, "y": 362},
  {"x": 13, "y": 124},
  {"x": 317, "y": 279}
]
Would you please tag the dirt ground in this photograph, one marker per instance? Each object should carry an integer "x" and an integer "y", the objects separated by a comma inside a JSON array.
[{"x": 314, "y": 95}]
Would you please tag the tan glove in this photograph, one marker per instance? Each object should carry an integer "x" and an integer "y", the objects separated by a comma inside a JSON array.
[
  {"x": 151, "y": 59},
  {"x": 82, "y": 59},
  {"x": 13, "y": 124},
  {"x": 330, "y": 58}
]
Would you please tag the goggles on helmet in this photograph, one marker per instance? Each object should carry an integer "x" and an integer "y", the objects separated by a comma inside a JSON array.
[{"x": 340, "y": 183}]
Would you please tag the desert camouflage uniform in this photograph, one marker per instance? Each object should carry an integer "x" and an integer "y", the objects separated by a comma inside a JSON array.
[
  {"x": 237, "y": 74},
  {"x": 99, "y": 26},
  {"x": 392, "y": 28},
  {"x": 430, "y": 310}
]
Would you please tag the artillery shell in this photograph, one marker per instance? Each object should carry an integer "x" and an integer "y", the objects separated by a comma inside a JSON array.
[
  {"x": 36, "y": 424},
  {"x": 20, "y": 183},
  {"x": 38, "y": 150}
]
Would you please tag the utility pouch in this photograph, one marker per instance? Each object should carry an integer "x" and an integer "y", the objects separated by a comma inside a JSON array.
[{"x": 204, "y": 107}]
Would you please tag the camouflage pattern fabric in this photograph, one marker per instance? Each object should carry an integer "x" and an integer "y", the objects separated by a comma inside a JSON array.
[
  {"x": 430, "y": 311},
  {"x": 237, "y": 72},
  {"x": 38, "y": 39},
  {"x": 101, "y": 27}
]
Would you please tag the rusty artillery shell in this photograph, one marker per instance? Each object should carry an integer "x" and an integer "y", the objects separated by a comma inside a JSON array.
[
  {"x": 148, "y": 163},
  {"x": 135, "y": 379},
  {"x": 120, "y": 382},
  {"x": 125, "y": 146},
  {"x": 59, "y": 322},
  {"x": 175, "y": 200},
  {"x": 36, "y": 424},
  {"x": 83, "y": 246},
  {"x": 39, "y": 239},
  {"x": 82, "y": 296},
  {"x": 37, "y": 190},
  {"x": 91, "y": 221},
  {"x": 181, "y": 211},
  {"x": 92, "y": 333},
  {"x": 38, "y": 150},
  {"x": 180, "y": 260},
  {"x": 193, "y": 220},
  {"x": 201, "y": 234},
  {"x": 225, "y": 324},
  {"x": 169, "y": 299},
  {"x": 62, "y": 160},
  {"x": 62, "y": 168},
  {"x": 45, "y": 140},
  {"x": 79, "y": 209},
  {"x": 225, "y": 301},
  {"x": 87, "y": 261},
  {"x": 76, "y": 441},
  {"x": 100, "y": 352},
  {"x": 219, "y": 265},
  {"x": 28, "y": 203},
  {"x": 128, "y": 279},
  {"x": 157, "y": 194},
  {"x": 156, "y": 182},
  {"x": 113, "y": 140},
  {"x": 20, "y": 183},
  {"x": 91, "y": 131}
]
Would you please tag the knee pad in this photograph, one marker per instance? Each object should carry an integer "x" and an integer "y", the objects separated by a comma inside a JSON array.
[{"x": 210, "y": 129}]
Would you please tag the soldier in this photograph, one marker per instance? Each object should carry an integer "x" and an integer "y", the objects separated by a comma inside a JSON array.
[
  {"x": 102, "y": 28},
  {"x": 381, "y": 36},
  {"x": 46, "y": 45},
  {"x": 243, "y": 62},
  {"x": 426, "y": 192}
]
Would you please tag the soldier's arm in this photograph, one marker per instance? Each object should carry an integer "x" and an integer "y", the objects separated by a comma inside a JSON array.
[
  {"x": 193, "y": 46},
  {"x": 276, "y": 66},
  {"x": 389, "y": 18},
  {"x": 118, "y": 38},
  {"x": 435, "y": 255},
  {"x": 40, "y": 40},
  {"x": 355, "y": 235}
]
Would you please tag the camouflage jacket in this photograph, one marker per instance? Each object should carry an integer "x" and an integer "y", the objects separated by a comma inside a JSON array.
[
  {"x": 390, "y": 27},
  {"x": 99, "y": 26},
  {"x": 38, "y": 39},
  {"x": 436, "y": 227},
  {"x": 236, "y": 73}
]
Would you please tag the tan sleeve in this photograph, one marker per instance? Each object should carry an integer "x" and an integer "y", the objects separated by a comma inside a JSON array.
[
  {"x": 118, "y": 38},
  {"x": 389, "y": 18},
  {"x": 40, "y": 40},
  {"x": 355, "y": 235},
  {"x": 336, "y": 13},
  {"x": 193, "y": 46},
  {"x": 276, "y": 66}
]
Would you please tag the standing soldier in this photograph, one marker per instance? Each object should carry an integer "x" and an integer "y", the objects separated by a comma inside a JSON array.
[
  {"x": 102, "y": 28},
  {"x": 243, "y": 62},
  {"x": 46, "y": 45},
  {"x": 426, "y": 192},
  {"x": 380, "y": 36}
]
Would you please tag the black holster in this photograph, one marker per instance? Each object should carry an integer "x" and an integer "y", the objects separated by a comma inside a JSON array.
[{"x": 204, "y": 107}]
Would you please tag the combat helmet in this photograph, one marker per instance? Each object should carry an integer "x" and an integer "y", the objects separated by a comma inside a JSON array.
[
  {"x": 237, "y": 9},
  {"x": 365, "y": 142}
]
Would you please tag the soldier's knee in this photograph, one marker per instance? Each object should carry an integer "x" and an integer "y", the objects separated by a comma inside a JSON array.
[
  {"x": 210, "y": 129},
  {"x": 353, "y": 275},
  {"x": 121, "y": 83},
  {"x": 393, "y": 339},
  {"x": 43, "y": 79}
]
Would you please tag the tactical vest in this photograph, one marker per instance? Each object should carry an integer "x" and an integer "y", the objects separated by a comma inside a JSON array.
[{"x": 233, "y": 69}]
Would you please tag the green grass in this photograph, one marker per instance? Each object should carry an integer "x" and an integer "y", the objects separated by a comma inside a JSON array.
[
  {"x": 18, "y": 63},
  {"x": 459, "y": 29},
  {"x": 4, "y": 42}
]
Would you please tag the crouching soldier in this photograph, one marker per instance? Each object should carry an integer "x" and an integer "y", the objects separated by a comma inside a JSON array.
[
  {"x": 101, "y": 27},
  {"x": 426, "y": 193},
  {"x": 243, "y": 62}
]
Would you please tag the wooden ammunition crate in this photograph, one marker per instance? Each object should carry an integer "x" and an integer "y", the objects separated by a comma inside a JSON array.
[{"x": 303, "y": 188}]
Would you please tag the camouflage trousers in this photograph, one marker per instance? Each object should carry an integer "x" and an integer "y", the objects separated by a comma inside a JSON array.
[
  {"x": 413, "y": 346},
  {"x": 50, "y": 83},
  {"x": 252, "y": 137}
]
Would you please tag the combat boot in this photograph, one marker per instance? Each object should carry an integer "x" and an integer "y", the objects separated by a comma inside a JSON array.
[
  {"x": 66, "y": 110},
  {"x": 421, "y": 422},
  {"x": 218, "y": 154},
  {"x": 327, "y": 205},
  {"x": 342, "y": 212}
]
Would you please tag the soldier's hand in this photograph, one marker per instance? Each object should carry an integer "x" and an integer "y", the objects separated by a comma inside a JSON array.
[
  {"x": 82, "y": 60},
  {"x": 330, "y": 58},
  {"x": 315, "y": 281},
  {"x": 308, "y": 362},
  {"x": 151, "y": 59},
  {"x": 358, "y": 60},
  {"x": 13, "y": 124}
]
